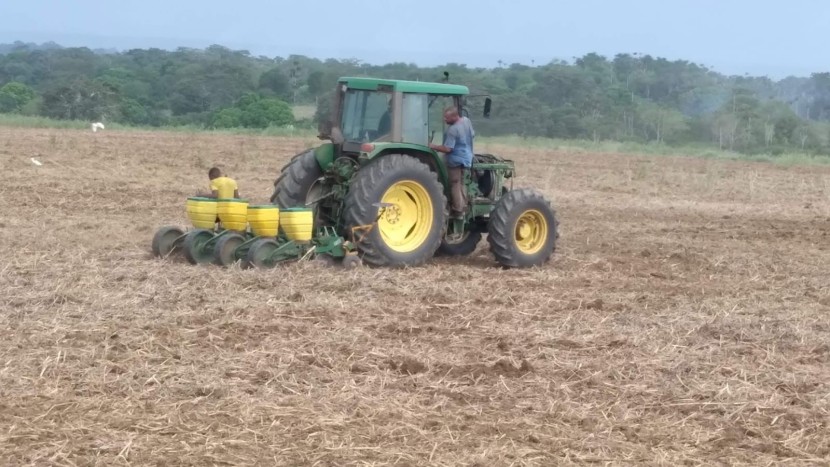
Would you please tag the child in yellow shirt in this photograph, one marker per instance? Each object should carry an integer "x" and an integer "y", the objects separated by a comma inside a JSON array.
[{"x": 221, "y": 187}]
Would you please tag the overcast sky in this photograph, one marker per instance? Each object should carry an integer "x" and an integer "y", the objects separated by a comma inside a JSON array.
[{"x": 732, "y": 36}]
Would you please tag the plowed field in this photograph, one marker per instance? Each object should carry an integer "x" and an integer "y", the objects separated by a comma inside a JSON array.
[{"x": 685, "y": 318}]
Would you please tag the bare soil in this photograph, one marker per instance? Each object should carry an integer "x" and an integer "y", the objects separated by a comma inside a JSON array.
[{"x": 683, "y": 320}]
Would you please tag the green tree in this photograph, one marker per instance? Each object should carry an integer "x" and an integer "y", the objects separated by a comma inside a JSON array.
[
  {"x": 266, "y": 112},
  {"x": 274, "y": 82},
  {"x": 316, "y": 83},
  {"x": 724, "y": 127},
  {"x": 189, "y": 95},
  {"x": 820, "y": 96},
  {"x": 230, "y": 117},
  {"x": 779, "y": 121},
  {"x": 254, "y": 111},
  {"x": 81, "y": 100},
  {"x": 747, "y": 125},
  {"x": 660, "y": 123},
  {"x": 13, "y": 96},
  {"x": 564, "y": 122},
  {"x": 133, "y": 112}
]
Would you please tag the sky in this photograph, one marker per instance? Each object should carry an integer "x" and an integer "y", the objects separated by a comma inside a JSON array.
[{"x": 775, "y": 39}]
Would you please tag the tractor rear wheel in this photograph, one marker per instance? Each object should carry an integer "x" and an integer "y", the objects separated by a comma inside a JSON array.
[
  {"x": 411, "y": 224},
  {"x": 295, "y": 186},
  {"x": 522, "y": 231}
]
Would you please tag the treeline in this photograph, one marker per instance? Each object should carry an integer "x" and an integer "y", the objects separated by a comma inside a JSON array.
[{"x": 627, "y": 97}]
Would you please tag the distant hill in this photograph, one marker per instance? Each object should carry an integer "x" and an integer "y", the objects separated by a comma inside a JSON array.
[
  {"x": 19, "y": 46},
  {"x": 27, "y": 46}
]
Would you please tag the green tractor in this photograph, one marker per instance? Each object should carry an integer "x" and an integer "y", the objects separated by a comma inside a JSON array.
[{"x": 377, "y": 182}]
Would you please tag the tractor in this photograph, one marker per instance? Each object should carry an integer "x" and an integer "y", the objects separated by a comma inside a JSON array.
[{"x": 377, "y": 183}]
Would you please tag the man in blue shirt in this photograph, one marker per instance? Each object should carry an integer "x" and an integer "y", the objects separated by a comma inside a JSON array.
[{"x": 458, "y": 155}]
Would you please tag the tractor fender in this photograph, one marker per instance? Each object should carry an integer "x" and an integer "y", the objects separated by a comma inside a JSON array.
[{"x": 324, "y": 155}]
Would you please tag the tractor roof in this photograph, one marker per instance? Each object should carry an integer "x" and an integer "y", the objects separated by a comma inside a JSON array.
[{"x": 374, "y": 84}]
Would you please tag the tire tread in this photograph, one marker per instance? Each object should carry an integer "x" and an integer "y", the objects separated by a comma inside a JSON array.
[
  {"x": 296, "y": 177},
  {"x": 359, "y": 209},
  {"x": 500, "y": 232}
]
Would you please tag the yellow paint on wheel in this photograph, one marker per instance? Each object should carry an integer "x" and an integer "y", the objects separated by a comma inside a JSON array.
[
  {"x": 531, "y": 232},
  {"x": 406, "y": 224}
]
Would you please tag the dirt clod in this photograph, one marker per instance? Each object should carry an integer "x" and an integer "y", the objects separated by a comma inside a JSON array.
[
  {"x": 594, "y": 304},
  {"x": 506, "y": 368},
  {"x": 411, "y": 366}
]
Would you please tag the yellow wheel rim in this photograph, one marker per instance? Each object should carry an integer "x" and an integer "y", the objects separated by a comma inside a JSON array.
[
  {"x": 531, "y": 232},
  {"x": 405, "y": 225}
]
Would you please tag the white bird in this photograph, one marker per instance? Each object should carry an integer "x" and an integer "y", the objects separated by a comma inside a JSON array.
[
  {"x": 96, "y": 126},
  {"x": 35, "y": 161}
]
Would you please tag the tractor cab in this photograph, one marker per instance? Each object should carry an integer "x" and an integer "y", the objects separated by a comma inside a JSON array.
[{"x": 370, "y": 110}]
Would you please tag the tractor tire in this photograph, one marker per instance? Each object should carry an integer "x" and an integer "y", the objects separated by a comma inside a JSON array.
[
  {"x": 409, "y": 232},
  {"x": 522, "y": 231},
  {"x": 292, "y": 187},
  {"x": 464, "y": 247}
]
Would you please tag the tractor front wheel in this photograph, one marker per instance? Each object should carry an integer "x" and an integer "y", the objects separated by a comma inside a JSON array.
[
  {"x": 522, "y": 231},
  {"x": 412, "y": 208}
]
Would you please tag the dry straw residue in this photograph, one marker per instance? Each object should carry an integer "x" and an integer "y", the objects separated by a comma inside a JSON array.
[{"x": 684, "y": 320}]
